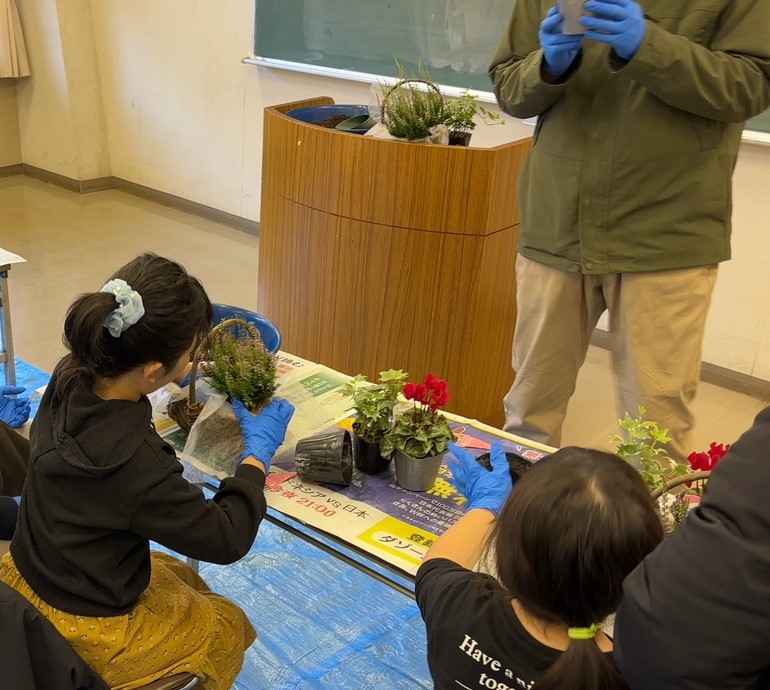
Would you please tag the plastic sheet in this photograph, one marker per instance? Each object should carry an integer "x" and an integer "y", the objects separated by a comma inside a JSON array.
[{"x": 322, "y": 623}]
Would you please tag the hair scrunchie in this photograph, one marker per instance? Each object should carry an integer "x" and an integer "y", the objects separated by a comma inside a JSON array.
[{"x": 130, "y": 307}]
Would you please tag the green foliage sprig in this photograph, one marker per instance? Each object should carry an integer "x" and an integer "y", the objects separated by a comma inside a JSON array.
[
  {"x": 373, "y": 403},
  {"x": 459, "y": 114},
  {"x": 239, "y": 365},
  {"x": 644, "y": 444}
]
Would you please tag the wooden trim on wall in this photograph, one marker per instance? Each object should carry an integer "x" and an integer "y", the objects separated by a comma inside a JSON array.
[
  {"x": 193, "y": 207},
  {"x": 710, "y": 373},
  {"x": 101, "y": 184},
  {"x": 11, "y": 170}
]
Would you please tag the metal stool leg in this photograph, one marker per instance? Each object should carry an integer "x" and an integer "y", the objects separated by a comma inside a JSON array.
[{"x": 6, "y": 337}]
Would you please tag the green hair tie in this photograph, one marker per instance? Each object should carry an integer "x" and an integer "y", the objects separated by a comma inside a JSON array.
[{"x": 584, "y": 633}]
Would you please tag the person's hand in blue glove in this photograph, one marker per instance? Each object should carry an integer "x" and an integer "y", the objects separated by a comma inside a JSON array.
[
  {"x": 263, "y": 433},
  {"x": 13, "y": 411},
  {"x": 559, "y": 50},
  {"x": 618, "y": 23},
  {"x": 482, "y": 488}
]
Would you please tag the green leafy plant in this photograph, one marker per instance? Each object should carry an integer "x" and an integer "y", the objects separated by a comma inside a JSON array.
[
  {"x": 373, "y": 403},
  {"x": 459, "y": 114},
  {"x": 237, "y": 363},
  {"x": 421, "y": 431},
  {"x": 644, "y": 447},
  {"x": 413, "y": 106}
]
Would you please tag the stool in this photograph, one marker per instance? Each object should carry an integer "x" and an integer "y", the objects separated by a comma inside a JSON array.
[{"x": 6, "y": 338}]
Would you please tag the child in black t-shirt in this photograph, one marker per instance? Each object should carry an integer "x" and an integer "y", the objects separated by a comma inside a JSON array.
[{"x": 562, "y": 543}]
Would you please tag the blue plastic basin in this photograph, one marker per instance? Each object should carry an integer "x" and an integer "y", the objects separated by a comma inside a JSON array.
[
  {"x": 317, "y": 113},
  {"x": 271, "y": 336}
]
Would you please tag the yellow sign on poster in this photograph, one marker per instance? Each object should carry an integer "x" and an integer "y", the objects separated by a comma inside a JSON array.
[{"x": 399, "y": 538}]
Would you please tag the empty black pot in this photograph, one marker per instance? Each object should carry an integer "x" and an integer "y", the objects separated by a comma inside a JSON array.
[{"x": 325, "y": 458}]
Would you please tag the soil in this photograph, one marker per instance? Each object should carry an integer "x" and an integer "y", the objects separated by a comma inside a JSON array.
[
  {"x": 516, "y": 463},
  {"x": 332, "y": 122}
]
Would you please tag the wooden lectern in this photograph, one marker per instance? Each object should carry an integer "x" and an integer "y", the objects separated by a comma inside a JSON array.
[{"x": 378, "y": 254}]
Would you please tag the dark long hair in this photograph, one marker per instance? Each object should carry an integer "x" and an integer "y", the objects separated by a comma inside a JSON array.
[
  {"x": 177, "y": 311},
  {"x": 574, "y": 527}
]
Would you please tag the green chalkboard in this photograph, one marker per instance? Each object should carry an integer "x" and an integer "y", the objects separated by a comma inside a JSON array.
[
  {"x": 457, "y": 38},
  {"x": 761, "y": 123}
]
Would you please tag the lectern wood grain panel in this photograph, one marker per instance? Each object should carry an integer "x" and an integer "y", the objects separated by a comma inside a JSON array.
[{"x": 377, "y": 254}]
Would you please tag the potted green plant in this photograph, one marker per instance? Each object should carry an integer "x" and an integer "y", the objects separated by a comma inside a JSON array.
[
  {"x": 413, "y": 106},
  {"x": 420, "y": 435},
  {"x": 373, "y": 405},
  {"x": 459, "y": 117},
  {"x": 643, "y": 446}
]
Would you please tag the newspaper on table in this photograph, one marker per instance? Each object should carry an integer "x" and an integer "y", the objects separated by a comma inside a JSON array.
[{"x": 373, "y": 514}]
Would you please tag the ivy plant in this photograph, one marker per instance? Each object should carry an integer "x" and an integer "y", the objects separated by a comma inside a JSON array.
[{"x": 373, "y": 403}]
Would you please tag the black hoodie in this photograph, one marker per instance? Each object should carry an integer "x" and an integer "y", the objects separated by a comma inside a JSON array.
[{"x": 101, "y": 484}]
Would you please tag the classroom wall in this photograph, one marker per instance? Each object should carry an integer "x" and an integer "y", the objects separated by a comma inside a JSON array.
[
  {"x": 169, "y": 105},
  {"x": 61, "y": 117},
  {"x": 10, "y": 148}
]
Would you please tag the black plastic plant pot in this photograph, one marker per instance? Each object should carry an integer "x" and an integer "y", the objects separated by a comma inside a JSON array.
[
  {"x": 366, "y": 456},
  {"x": 516, "y": 464},
  {"x": 325, "y": 458}
]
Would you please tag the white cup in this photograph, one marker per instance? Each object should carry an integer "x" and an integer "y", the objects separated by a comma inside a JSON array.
[{"x": 571, "y": 11}]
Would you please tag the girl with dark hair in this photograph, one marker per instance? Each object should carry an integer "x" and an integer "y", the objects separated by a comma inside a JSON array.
[
  {"x": 576, "y": 524},
  {"x": 101, "y": 484}
]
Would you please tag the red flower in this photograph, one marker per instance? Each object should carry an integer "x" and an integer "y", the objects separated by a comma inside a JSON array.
[
  {"x": 409, "y": 390},
  {"x": 705, "y": 462}
]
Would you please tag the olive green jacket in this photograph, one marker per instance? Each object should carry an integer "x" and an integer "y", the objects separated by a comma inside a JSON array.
[{"x": 631, "y": 165}]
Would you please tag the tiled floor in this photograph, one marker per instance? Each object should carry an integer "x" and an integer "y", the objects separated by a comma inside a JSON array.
[{"x": 73, "y": 242}]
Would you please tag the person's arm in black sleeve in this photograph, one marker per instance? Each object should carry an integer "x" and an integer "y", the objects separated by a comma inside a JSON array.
[
  {"x": 696, "y": 612},
  {"x": 176, "y": 514}
]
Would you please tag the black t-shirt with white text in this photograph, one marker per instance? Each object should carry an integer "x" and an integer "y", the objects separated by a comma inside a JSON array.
[{"x": 475, "y": 639}]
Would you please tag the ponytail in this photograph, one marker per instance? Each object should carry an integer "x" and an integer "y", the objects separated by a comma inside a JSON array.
[
  {"x": 582, "y": 666},
  {"x": 176, "y": 312},
  {"x": 87, "y": 340}
]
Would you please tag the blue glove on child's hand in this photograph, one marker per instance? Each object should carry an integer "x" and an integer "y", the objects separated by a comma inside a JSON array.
[
  {"x": 13, "y": 411},
  {"x": 263, "y": 433},
  {"x": 559, "y": 50},
  {"x": 618, "y": 23},
  {"x": 482, "y": 488}
]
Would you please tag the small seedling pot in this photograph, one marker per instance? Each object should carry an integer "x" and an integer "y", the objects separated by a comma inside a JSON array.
[{"x": 366, "y": 455}]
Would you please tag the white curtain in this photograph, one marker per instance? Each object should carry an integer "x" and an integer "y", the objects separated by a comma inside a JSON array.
[{"x": 13, "y": 54}]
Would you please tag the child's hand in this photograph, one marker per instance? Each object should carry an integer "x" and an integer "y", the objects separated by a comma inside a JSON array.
[
  {"x": 263, "y": 433},
  {"x": 13, "y": 411},
  {"x": 482, "y": 488}
]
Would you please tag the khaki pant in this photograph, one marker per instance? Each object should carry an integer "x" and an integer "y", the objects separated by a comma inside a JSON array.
[{"x": 656, "y": 333}]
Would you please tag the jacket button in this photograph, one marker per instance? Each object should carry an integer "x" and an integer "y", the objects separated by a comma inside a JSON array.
[{"x": 589, "y": 265}]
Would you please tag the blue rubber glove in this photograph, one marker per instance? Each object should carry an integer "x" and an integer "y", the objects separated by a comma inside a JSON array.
[
  {"x": 482, "y": 488},
  {"x": 559, "y": 50},
  {"x": 263, "y": 433},
  {"x": 618, "y": 23},
  {"x": 13, "y": 411}
]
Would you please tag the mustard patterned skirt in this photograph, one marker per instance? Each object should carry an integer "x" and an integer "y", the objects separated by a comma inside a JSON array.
[{"x": 177, "y": 625}]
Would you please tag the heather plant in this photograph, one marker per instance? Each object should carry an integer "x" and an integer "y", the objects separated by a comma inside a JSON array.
[{"x": 237, "y": 364}]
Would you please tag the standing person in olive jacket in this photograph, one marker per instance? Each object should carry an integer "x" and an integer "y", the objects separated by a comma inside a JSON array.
[
  {"x": 696, "y": 613},
  {"x": 101, "y": 484},
  {"x": 626, "y": 194}
]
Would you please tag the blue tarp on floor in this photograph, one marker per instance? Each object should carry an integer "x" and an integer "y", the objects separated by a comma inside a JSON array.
[{"x": 322, "y": 623}]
